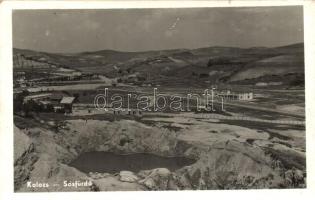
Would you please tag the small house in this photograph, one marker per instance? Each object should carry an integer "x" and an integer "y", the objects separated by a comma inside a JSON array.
[
  {"x": 133, "y": 112},
  {"x": 66, "y": 103},
  {"x": 245, "y": 96}
]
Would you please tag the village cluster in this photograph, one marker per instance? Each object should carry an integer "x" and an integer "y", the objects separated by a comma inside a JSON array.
[{"x": 158, "y": 102}]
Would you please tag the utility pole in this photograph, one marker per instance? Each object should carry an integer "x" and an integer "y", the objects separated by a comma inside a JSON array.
[
  {"x": 212, "y": 98},
  {"x": 222, "y": 103}
]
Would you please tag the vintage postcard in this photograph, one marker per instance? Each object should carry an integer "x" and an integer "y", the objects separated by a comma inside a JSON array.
[{"x": 159, "y": 98}]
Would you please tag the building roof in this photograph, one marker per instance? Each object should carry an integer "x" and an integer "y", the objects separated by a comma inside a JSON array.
[
  {"x": 17, "y": 91},
  {"x": 45, "y": 102},
  {"x": 67, "y": 100},
  {"x": 37, "y": 96}
]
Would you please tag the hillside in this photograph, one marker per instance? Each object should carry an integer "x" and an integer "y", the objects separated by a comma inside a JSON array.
[{"x": 230, "y": 65}]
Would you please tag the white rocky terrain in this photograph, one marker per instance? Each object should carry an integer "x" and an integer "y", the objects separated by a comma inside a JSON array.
[{"x": 228, "y": 156}]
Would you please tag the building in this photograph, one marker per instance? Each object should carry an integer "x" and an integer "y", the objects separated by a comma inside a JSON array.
[
  {"x": 134, "y": 112},
  {"x": 49, "y": 102},
  {"x": 236, "y": 96},
  {"x": 245, "y": 96},
  {"x": 229, "y": 96},
  {"x": 37, "y": 97},
  {"x": 56, "y": 97},
  {"x": 66, "y": 103}
]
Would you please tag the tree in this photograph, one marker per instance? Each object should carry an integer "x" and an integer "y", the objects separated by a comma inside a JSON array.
[{"x": 18, "y": 101}]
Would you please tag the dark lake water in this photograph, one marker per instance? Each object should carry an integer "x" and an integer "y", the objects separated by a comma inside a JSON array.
[{"x": 112, "y": 163}]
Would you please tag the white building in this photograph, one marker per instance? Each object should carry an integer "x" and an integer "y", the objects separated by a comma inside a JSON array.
[{"x": 245, "y": 96}]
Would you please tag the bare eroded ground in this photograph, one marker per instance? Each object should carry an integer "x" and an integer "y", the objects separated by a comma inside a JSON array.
[{"x": 230, "y": 154}]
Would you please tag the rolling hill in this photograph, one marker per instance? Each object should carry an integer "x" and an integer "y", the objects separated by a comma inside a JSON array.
[{"x": 244, "y": 66}]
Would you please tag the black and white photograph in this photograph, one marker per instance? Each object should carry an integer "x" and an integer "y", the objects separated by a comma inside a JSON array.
[{"x": 156, "y": 99}]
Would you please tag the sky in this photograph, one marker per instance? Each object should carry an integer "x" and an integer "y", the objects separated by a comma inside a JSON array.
[{"x": 71, "y": 31}]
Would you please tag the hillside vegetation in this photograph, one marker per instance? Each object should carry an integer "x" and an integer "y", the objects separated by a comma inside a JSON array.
[{"x": 180, "y": 67}]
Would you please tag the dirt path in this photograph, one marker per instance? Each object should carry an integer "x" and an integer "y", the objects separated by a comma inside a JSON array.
[
  {"x": 295, "y": 114},
  {"x": 215, "y": 116}
]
